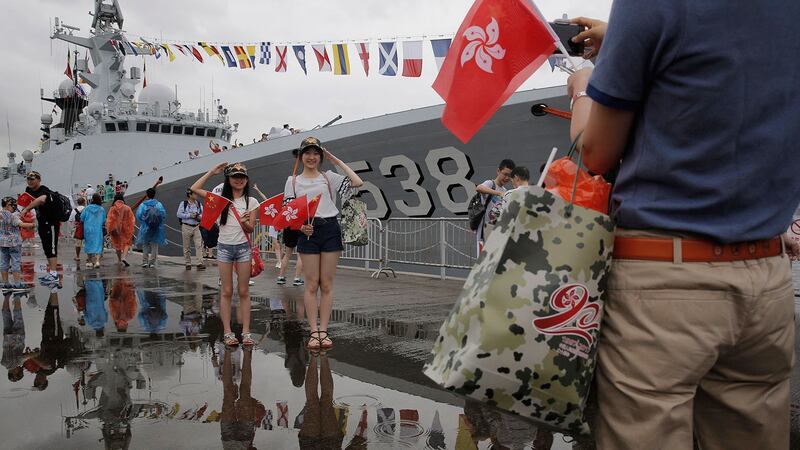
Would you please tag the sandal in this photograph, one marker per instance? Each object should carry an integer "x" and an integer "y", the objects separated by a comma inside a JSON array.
[
  {"x": 314, "y": 342},
  {"x": 247, "y": 340},
  {"x": 324, "y": 340},
  {"x": 230, "y": 339}
]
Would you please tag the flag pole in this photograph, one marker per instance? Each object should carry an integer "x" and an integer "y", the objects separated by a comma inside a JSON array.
[{"x": 547, "y": 167}]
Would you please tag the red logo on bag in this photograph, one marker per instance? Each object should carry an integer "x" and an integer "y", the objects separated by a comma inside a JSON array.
[{"x": 576, "y": 316}]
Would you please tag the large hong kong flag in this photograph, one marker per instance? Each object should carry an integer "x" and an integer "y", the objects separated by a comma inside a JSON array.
[
  {"x": 296, "y": 213},
  {"x": 269, "y": 210},
  {"x": 498, "y": 46},
  {"x": 212, "y": 209}
]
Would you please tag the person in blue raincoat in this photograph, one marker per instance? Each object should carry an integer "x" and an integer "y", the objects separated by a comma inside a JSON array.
[
  {"x": 93, "y": 218},
  {"x": 96, "y": 313},
  {"x": 152, "y": 310},
  {"x": 152, "y": 219}
]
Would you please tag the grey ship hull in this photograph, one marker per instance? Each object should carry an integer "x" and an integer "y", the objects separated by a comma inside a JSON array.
[{"x": 412, "y": 166}]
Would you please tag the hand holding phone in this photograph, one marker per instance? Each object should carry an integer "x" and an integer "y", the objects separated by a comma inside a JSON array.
[{"x": 592, "y": 34}]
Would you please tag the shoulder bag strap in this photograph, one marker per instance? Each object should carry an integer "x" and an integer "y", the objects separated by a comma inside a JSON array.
[
  {"x": 330, "y": 192},
  {"x": 239, "y": 219}
]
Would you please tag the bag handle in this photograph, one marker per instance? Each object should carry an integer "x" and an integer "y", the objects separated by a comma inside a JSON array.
[{"x": 573, "y": 149}]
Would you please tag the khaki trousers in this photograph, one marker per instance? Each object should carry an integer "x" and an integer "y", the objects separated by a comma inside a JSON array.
[
  {"x": 700, "y": 350},
  {"x": 189, "y": 234}
]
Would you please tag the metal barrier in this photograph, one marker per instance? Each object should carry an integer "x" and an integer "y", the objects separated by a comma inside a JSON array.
[{"x": 419, "y": 245}]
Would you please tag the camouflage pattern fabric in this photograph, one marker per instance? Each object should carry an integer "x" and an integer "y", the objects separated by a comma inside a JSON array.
[
  {"x": 522, "y": 336},
  {"x": 354, "y": 222}
]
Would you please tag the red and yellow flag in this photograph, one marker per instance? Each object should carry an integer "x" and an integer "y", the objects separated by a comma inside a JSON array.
[
  {"x": 212, "y": 208},
  {"x": 241, "y": 55}
]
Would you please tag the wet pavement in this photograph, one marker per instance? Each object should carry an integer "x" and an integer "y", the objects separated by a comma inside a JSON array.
[{"x": 131, "y": 358}]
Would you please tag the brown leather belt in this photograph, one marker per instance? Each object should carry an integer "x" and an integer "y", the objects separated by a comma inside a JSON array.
[{"x": 665, "y": 249}]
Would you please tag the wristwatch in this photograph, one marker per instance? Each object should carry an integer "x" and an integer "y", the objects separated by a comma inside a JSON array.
[{"x": 576, "y": 97}]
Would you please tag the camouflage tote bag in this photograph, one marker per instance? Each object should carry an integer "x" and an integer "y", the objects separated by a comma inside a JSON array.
[
  {"x": 354, "y": 222},
  {"x": 522, "y": 335}
]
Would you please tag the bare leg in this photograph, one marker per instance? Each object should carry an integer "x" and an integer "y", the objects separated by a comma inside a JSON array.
[
  {"x": 327, "y": 271},
  {"x": 243, "y": 288},
  {"x": 287, "y": 257},
  {"x": 226, "y": 277},
  {"x": 311, "y": 272},
  {"x": 298, "y": 269}
]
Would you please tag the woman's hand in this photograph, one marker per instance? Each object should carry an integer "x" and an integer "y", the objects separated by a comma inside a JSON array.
[
  {"x": 592, "y": 37},
  {"x": 578, "y": 81},
  {"x": 307, "y": 229},
  {"x": 329, "y": 156},
  {"x": 218, "y": 169}
]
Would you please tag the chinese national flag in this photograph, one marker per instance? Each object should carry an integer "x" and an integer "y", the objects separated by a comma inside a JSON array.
[
  {"x": 293, "y": 215},
  {"x": 498, "y": 46},
  {"x": 212, "y": 209},
  {"x": 269, "y": 210},
  {"x": 24, "y": 199},
  {"x": 313, "y": 204}
]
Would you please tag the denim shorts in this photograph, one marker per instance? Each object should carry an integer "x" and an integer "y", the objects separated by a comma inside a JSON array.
[
  {"x": 227, "y": 253},
  {"x": 327, "y": 237},
  {"x": 10, "y": 257}
]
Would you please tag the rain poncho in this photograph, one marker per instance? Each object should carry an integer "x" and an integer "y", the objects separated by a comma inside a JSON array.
[
  {"x": 147, "y": 233},
  {"x": 119, "y": 223},
  {"x": 96, "y": 314},
  {"x": 93, "y": 218}
]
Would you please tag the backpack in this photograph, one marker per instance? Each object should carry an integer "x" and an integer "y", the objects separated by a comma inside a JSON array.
[
  {"x": 477, "y": 209},
  {"x": 61, "y": 207},
  {"x": 151, "y": 216}
]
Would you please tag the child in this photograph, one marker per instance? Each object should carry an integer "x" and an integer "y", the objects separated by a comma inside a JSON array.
[
  {"x": 77, "y": 234},
  {"x": 11, "y": 245}
]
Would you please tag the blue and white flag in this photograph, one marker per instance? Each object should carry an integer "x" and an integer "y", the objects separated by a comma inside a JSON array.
[
  {"x": 440, "y": 48},
  {"x": 300, "y": 54},
  {"x": 226, "y": 51},
  {"x": 264, "y": 54},
  {"x": 388, "y": 60}
]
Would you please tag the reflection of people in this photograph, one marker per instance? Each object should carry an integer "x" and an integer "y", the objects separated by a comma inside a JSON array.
[
  {"x": 504, "y": 430},
  {"x": 295, "y": 360},
  {"x": 13, "y": 337},
  {"x": 152, "y": 310},
  {"x": 122, "y": 303},
  {"x": 96, "y": 314},
  {"x": 320, "y": 429},
  {"x": 240, "y": 410},
  {"x": 698, "y": 332}
]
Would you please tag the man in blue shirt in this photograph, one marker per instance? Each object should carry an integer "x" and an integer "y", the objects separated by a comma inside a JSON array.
[
  {"x": 696, "y": 102},
  {"x": 189, "y": 213}
]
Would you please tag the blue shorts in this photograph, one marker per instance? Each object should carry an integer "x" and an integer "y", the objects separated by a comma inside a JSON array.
[
  {"x": 327, "y": 237},
  {"x": 227, "y": 253},
  {"x": 10, "y": 257}
]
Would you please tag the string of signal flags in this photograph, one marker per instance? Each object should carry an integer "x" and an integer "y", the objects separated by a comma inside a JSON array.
[{"x": 334, "y": 58}]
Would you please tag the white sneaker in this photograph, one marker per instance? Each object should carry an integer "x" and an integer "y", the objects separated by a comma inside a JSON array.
[
  {"x": 278, "y": 265},
  {"x": 251, "y": 283}
]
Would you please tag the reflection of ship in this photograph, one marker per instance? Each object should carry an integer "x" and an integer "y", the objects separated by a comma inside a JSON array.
[{"x": 413, "y": 166}]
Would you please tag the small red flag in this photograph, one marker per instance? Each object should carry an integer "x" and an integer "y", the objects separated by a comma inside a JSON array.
[
  {"x": 269, "y": 209},
  {"x": 212, "y": 209},
  {"x": 68, "y": 70},
  {"x": 24, "y": 199},
  {"x": 293, "y": 215},
  {"x": 498, "y": 46},
  {"x": 313, "y": 204}
]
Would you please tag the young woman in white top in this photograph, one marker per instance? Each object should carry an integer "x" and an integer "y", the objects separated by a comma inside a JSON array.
[
  {"x": 320, "y": 241},
  {"x": 232, "y": 246}
]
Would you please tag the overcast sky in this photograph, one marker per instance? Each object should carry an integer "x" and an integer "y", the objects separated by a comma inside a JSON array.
[{"x": 256, "y": 99}]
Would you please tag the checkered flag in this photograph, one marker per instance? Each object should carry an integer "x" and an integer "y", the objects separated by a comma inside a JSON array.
[{"x": 264, "y": 53}]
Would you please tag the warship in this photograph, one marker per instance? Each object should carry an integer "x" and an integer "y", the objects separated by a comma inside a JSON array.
[{"x": 411, "y": 164}]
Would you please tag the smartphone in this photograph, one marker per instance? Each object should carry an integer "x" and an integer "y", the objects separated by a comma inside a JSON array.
[{"x": 566, "y": 31}]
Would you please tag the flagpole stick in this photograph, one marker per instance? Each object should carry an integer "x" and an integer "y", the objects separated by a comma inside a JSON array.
[
  {"x": 562, "y": 49},
  {"x": 547, "y": 167}
]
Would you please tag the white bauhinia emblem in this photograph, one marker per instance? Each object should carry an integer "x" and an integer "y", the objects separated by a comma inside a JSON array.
[
  {"x": 483, "y": 46},
  {"x": 290, "y": 213},
  {"x": 271, "y": 211}
]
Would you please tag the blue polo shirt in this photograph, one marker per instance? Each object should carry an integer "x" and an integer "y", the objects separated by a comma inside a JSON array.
[{"x": 715, "y": 86}]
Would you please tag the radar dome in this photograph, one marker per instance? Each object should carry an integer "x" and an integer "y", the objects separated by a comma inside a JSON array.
[
  {"x": 127, "y": 89},
  {"x": 27, "y": 155},
  {"x": 66, "y": 89},
  {"x": 156, "y": 93}
]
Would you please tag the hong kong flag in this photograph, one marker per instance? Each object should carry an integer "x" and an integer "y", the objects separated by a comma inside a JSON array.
[
  {"x": 498, "y": 46},
  {"x": 269, "y": 210},
  {"x": 296, "y": 213},
  {"x": 24, "y": 199},
  {"x": 212, "y": 209}
]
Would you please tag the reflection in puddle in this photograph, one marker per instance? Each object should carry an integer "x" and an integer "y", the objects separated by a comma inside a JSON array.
[{"x": 124, "y": 362}]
